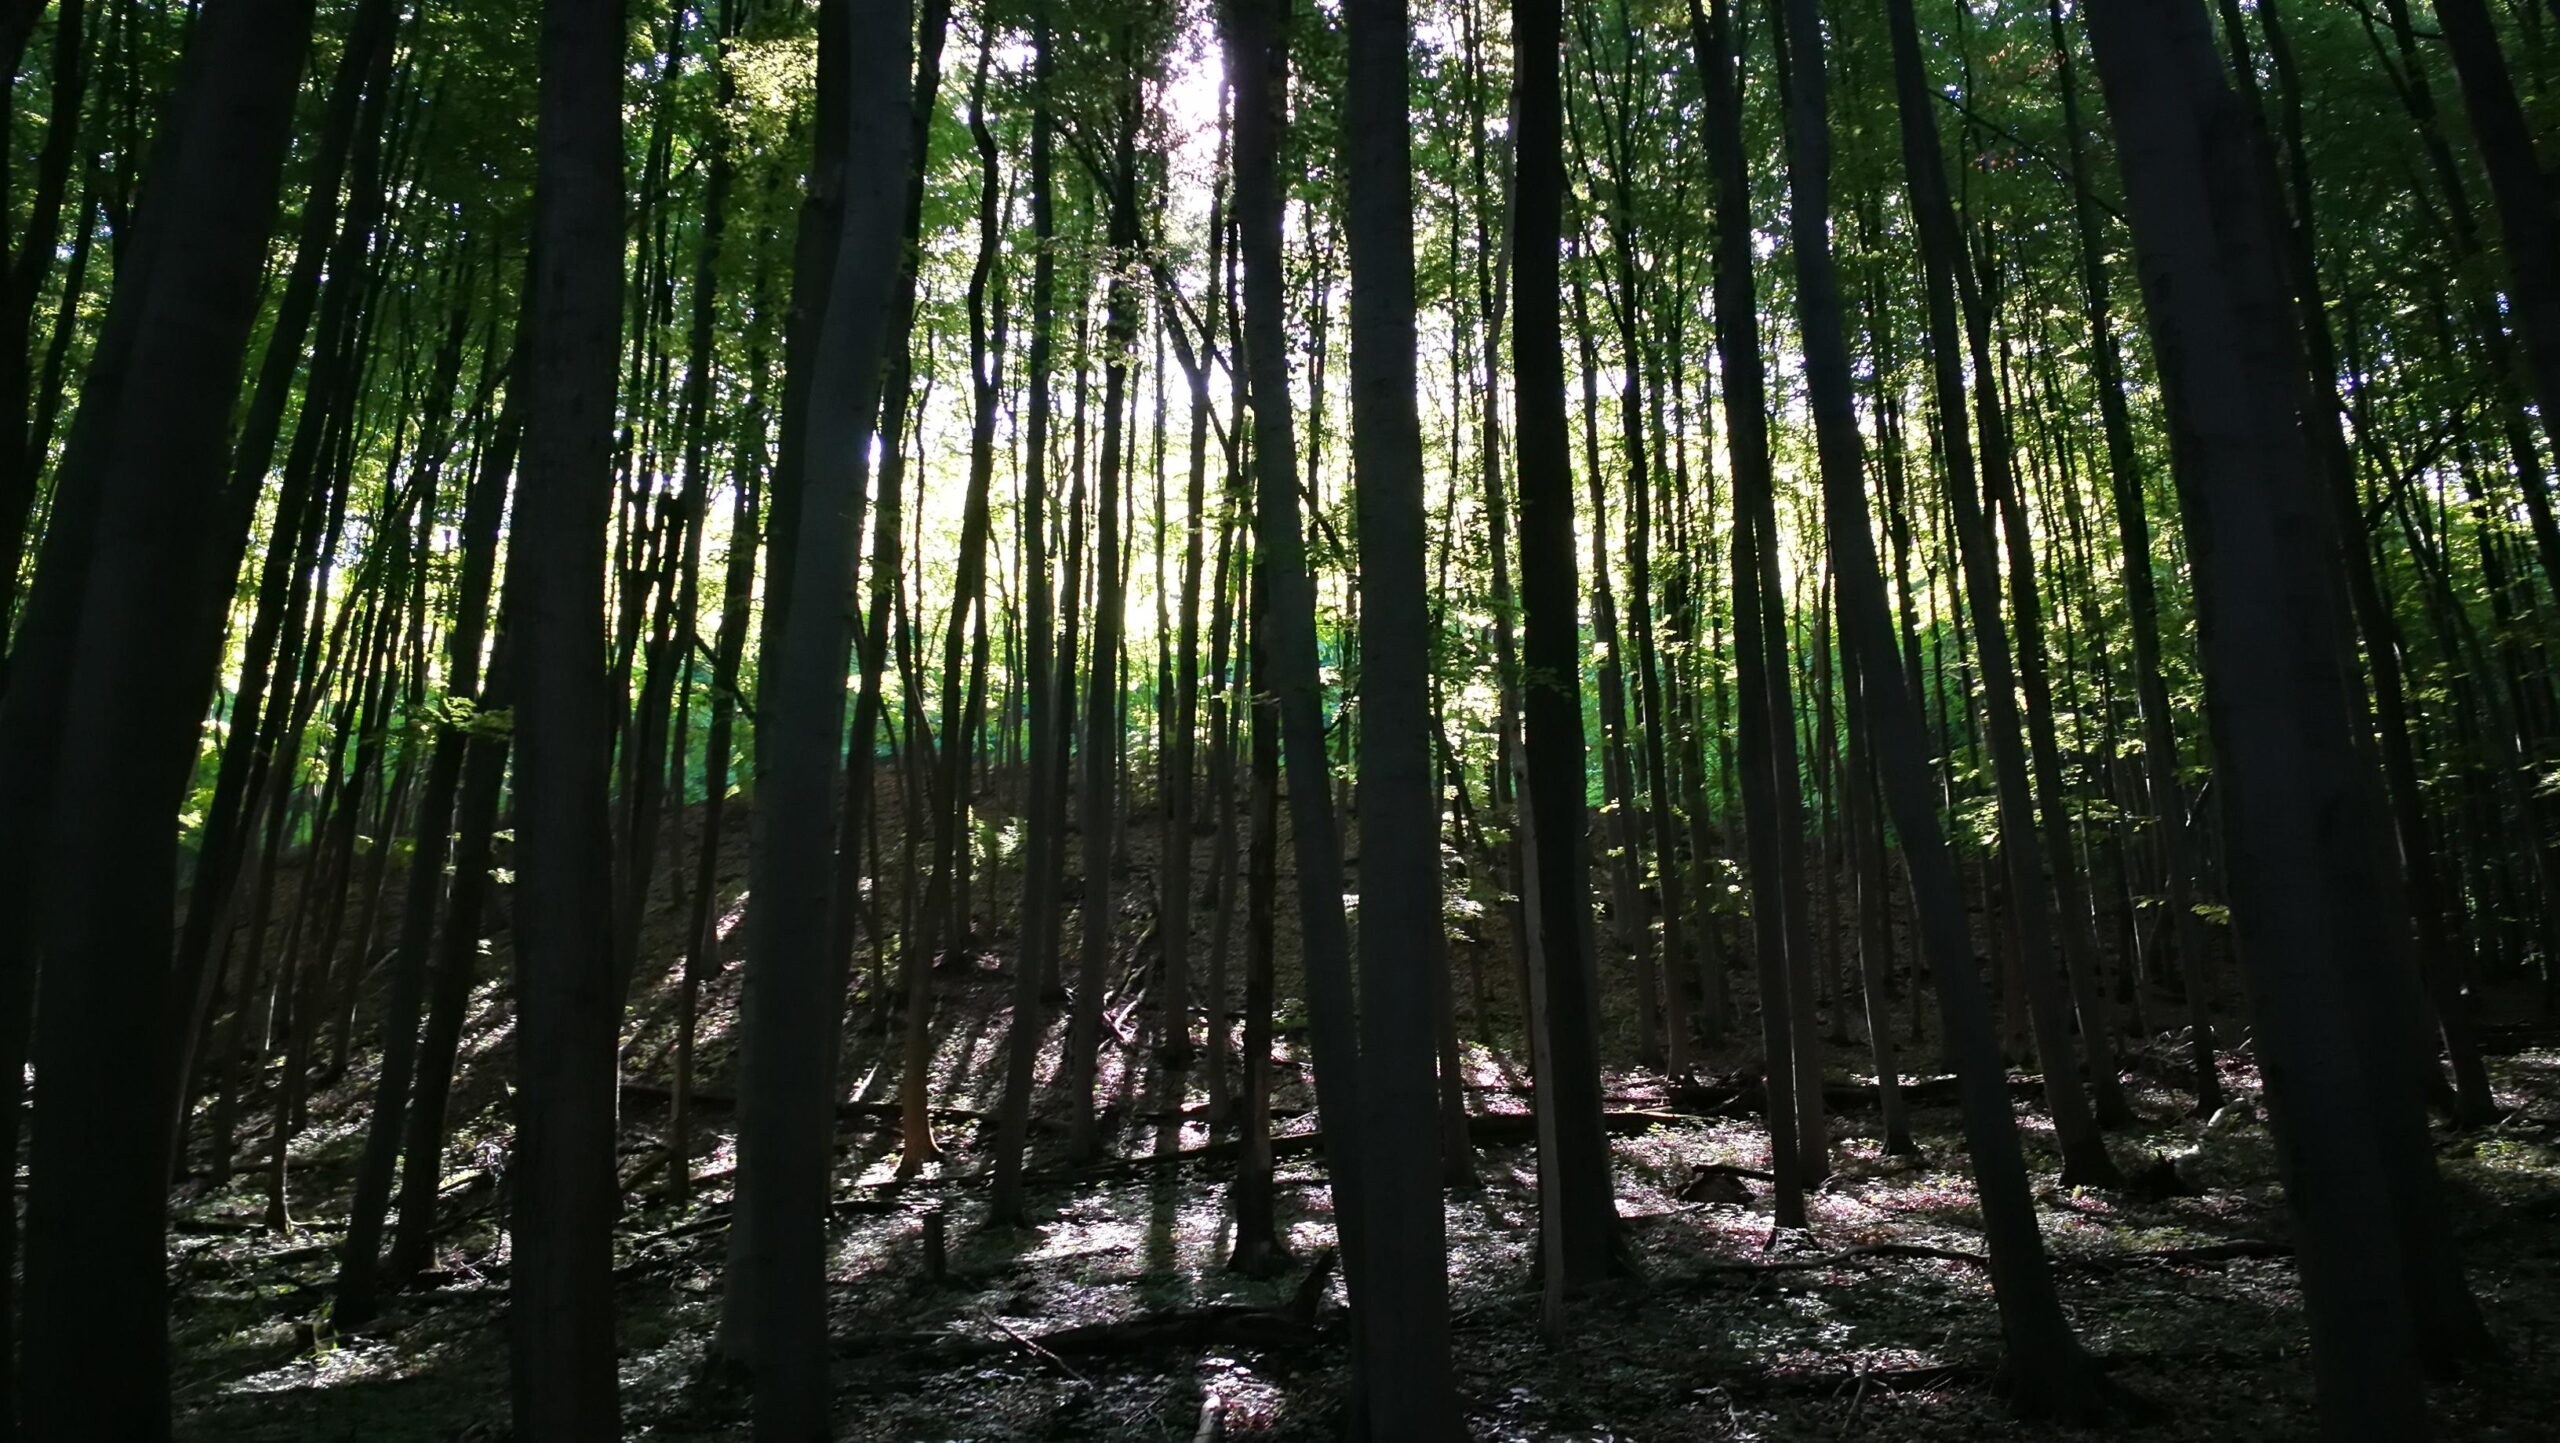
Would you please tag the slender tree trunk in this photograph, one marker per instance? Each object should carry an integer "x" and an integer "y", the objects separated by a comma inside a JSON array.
[
  {"x": 483, "y": 764},
  {"x": 2022, "y": 852},
  {"x": 1284, "y": 633},
  {"x": 1039, "y": 897},
  {"x": 1099, "y": 797},
  {"x": 2133, "y": 529},
  {"x": 2312, "y": 926},
  {"x": 795, "y": 992},
  {"x": 1261, "y": 1250},
  {"x": 1767, "y": 700},
  {"x": 950, "y": 800},
  {"x": 1577, "y": 1214},
  {"x": 565, "y": 1192},
  {"x": 1410, "y": 1390},
  {"x": 2050, "y": 1375},
  {"x": 2520, "y": 190}
]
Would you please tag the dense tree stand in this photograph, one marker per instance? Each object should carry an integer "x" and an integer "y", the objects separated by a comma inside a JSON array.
[{"x": 1390, "y": 719}]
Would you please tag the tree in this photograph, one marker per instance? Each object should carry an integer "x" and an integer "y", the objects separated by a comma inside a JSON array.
[
  {"x": 561, "y": 1288},
  {"x": 788, "y": 1118},
  {"x": 115, "y": 657},
  {"x": 2050, "y": 1375},
  {"x": 1406, "y": 1326},
  {"x": 1577, "y": 1216},
  {"x": 1022, "y": 1037},
  {"x": 2323, "y": 955},
  {"x": 2033, "y": 902}
]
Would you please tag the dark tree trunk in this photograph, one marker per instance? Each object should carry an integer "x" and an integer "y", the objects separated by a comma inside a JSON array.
[
  {"x": 2142, "y": 607},
  {"x": 1406, "y": 1328},
  {"x": 483, "y": 766},
  {"x": 565, "y": 1192},
  {"x": 122, "y": 632},
  {"x": 1760, "y": 650},
  {"x": 949, "y": 803},
  {"x": 1284, "y": 632},
  {"x": 793, "y": 993},
  {"x": 24, "y": 283},
  {"x": 2312, "y": 926},
  {"x": 2050, "y": 1375},
  {"x": 432, "y": 841},
  {"x": 2031, "y": 898},
  {"x": 1039, "y": 899},
  {"x": 1578, "y": 1218},
  {"x": 1098, "y": 797},
  {"x": 1260, "y": 1250}
]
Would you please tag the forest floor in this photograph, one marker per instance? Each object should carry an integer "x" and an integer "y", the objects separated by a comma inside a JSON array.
[{"x": 1116, "y": 1318}]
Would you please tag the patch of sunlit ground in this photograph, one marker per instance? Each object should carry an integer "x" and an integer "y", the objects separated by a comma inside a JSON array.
[{"x": 1705, "y": 1342}]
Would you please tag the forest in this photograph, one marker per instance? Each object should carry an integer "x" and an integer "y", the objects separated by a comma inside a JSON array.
[{"x": 1302, "y": 719}]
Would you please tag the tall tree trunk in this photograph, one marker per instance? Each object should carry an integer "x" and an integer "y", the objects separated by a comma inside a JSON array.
[
  {"x": 2313, "y": 926},
  {"x": 355, "y": 1298},
  {"x": 2519, "y": 188},
  {"x": 1284, "y": 634},
  {"x": 737, "y": 593},
  {"x": 950, "y": 796},
  {"x": 794, "y": 994},
  {"x": 1039, "y": 898},
  {"x": 1261, "y": 1249},
  {"x": 1098, "y": 799},
  {"x": 122, "y": 630},
  {"x": 484, "y": 750},
  {"x": 2050, "y": 1374},
  {"x": 2167, "y": 797},
  {"x": 565, "y": 1190},
  {"x": 2032, "y": 909},
  {"x": 2437, "y": 964},
  {"x": 1577, "y": 1214},
  {"x": 1410, "y": 1390},
  {"x": 24, "y": 282},
  {"x": 1767, "y": 704}
]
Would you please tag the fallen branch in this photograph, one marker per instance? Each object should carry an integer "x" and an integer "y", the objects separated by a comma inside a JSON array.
[
  {"x": 1230, "y": 1326},
  {"x": 2104, "y": 1264},
  {"x": 890, "y": 1112},
  {"x": 2238, "y": 1250},
  {"x": 1490, "y": 1127}
]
